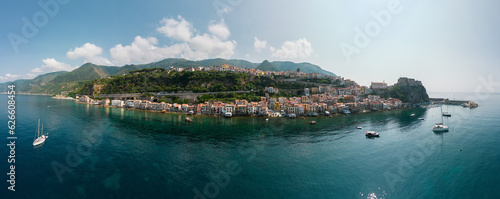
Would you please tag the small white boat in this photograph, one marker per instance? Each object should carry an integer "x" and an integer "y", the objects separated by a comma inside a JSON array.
[
  {"x": 420, "y": 118},
  {"x": 359, "y": 127},
  {"x": 228, "y": 114},
  {"x": 446, "y": 114},
  {"x": 439, "y": 127},
  {"x": 40, "y": 139},
  {"x": 412, "y": 115},
  {"x": 190, "y": 112},
  {"x": 372, "y": 134},
  {"x": 327, "y": 113},
  {"x": 292, "y": 115}
]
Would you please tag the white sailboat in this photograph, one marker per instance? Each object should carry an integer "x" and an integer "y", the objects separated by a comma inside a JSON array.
[
  {"x": 440, "y": 127},
  {"x": 40, "y": 139}
]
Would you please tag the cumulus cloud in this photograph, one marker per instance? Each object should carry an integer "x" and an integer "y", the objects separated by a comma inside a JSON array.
[
  {"x": 293, "y": 49},
  {"x": 179, "y": 30},
  {"x": 143, "y": 50},
  {"x": 219, "y": 29},
  {"x": 259, "y": 45},
  {"x": 189, "y": 46},
  {"x": 51, "y": 65},
  {"x": 206, "y": 46},
  {"x": 90, "y": 53}
]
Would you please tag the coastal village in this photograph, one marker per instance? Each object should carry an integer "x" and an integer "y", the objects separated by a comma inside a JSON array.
[{"x": 316, "y": 100}]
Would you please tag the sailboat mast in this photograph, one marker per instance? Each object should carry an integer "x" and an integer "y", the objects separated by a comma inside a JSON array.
[{"x": 38, "y": 133}]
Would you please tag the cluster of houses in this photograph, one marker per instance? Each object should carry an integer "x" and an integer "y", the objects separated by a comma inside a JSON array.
[
  {"x": 316, "y": 100},
  {"x": 310, "y": 104}
]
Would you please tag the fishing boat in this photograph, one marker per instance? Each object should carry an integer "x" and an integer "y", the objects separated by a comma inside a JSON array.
[
  {"x": 412, "y": 115},
  {"x": 40, "y": 139},
  {"x": 359, "y": 127},
  {"x": 372, "y": 134}
]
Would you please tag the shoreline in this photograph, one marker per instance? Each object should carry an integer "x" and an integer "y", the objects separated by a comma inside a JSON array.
[{"x": 248, "y": 116}]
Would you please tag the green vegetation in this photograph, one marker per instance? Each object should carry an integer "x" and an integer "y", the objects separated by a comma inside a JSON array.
[
  {"x": 319, "y": 80},
  {"x": 165, "y": 81},
  {"x": 147, "y": 70},
  {"x": 71, "y": 94},
  {"x": 230, "y": 97}
]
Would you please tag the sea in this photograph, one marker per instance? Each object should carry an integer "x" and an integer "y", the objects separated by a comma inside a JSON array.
[{"x": 104, "y": 152}]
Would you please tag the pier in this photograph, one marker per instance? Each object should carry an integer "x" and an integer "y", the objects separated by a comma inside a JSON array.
[{"x": 447, "y": 101}]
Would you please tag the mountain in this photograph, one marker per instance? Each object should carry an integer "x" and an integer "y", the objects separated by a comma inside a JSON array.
[
  {"x": 27, "y": 85},
  {"x": 267, "y": 66},
  {"x": 280, "y": 65},
  {"x": 175, "y": 62},
  {"x": 86, "y": 72},
  {"x": 304, "y": 67},
  {"x": 126, "y": 69},
  {"x": 232, "y": 62},
  {"x": 56, "y": 82}
]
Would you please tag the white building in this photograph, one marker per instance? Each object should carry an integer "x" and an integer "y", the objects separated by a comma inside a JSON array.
[{"x": 117, "y": 103}]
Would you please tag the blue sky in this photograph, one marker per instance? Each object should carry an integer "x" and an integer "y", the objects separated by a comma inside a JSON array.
[{"x": 449, "y": 45}]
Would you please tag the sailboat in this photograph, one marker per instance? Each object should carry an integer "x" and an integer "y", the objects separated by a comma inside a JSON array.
[
  {"x": 40, "y": 139},
  {"x": 446, "y": 114},
  {"x": 439, "y": 127}
]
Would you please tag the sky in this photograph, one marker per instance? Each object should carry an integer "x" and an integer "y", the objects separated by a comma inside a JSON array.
[{"x": 449, "y": 45}]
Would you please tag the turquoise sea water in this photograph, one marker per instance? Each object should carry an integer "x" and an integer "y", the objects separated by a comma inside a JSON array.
[{"x": 117, "y": 153}]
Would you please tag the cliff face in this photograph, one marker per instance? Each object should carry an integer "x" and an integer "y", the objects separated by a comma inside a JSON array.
[{"x": 410, "y": 91}]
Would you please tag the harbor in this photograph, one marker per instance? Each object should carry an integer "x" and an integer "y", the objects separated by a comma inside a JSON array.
[{"x": 446, "y": 101}]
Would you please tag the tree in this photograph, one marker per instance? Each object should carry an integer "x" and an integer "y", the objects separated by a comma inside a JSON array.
[{"x": 298, "y": 70}]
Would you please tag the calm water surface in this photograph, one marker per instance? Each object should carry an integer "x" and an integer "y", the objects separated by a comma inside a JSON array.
[{"x": 95, "y": 152}]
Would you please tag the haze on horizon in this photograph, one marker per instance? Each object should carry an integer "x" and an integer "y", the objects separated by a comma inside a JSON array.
[{"x": 448, "y": 45}]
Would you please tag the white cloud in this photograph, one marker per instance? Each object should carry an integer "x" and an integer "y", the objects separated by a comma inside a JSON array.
[
  {"x": 259, "y": 45},
  {"x": 179, "y": 30},
  {"x": 293, "y": 49},
  {"x": 207, "y": 46},
  {"x": 90, "y": 52},
  {"x": 219, "y": 29},
  {"x": 189, "y": 46},
  {"x": 51, "y": 65},
  {"x": 144, "y": 50},
  {"x": 8, "y": 77}
]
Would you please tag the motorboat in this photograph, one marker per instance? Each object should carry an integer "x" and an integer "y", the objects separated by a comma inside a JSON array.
[
  {"x": 439, "y": 127},
  {"x": 372, "y": 134}
]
